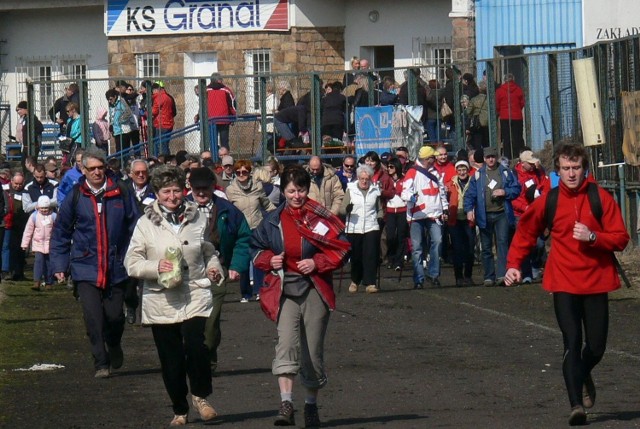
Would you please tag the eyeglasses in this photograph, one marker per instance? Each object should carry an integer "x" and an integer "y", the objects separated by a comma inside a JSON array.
[
  {"x": 97, "y": 167},
  {"x": 391, "y": 166},
  {"x": 348, "y": 165},
  {"x": 242, "y": 173},
  {"x": 139, "y": 173}
]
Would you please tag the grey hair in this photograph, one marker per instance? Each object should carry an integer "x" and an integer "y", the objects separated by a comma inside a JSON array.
[
  {"x": 166, "y": 175},
  {"x": 95, "y": 153},
  {"x": 364, "y": 168},
  {"x": 283, "y": 84},
  {"x": 139, "y": 161}
]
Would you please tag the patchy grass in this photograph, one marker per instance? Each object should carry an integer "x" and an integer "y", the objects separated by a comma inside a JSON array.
[{"x": 33, "y": 324}]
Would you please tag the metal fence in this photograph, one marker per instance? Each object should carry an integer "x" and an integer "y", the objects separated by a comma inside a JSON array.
[{"x": 546, "y": 77}]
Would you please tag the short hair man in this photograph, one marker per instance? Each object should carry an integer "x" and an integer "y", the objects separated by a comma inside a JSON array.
[
  {"x": 580, "y": 269},
  {"x": 19, "y": 222},
  {"x": 39, "y": 186},
  {"x": 326, "y": 187},
  {"x": 90, "y": 240},
  {"x": 487, "y": 203}
]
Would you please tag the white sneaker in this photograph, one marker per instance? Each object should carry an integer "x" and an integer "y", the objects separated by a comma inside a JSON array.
[
  {"x": 206, "y": 411},
  {"x": 526, "y": 280},
  {"x": 244, "y": 300}
]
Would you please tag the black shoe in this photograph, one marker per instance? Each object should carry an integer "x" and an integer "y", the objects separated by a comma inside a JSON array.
[
  {"x": 285, "y": 415},
  {"x": 131, "y": 315},
  {"x": 588, "y": 392},
  {"x": 459, "y": 282},
  {"x": 311, "y": 417},
  {"x": 577, "y": 417},
  {"x": 418, "y": 286},
  {"x": 434, "y": 281},
  {"x": 116, "y": 357}
]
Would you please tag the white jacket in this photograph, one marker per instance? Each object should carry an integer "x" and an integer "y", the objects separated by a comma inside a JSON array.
[
  {"x": 431, "y": 195},
  {"x": 152, "y": 235},
  {"x": 364, "y": 216}
]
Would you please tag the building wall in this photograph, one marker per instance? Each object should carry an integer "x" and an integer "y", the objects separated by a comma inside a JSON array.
[{"x": 611, "y": 19}]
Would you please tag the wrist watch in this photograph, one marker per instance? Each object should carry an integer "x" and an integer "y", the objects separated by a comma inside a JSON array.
[{"x": 592, "y": 237}]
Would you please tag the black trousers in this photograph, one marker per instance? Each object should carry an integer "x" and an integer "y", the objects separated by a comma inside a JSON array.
[
  {"x": 16, "y": 254},
  {"x": 511, "y": 132},
  {"x": 365, "y": 254},
  {"x": 183, "y": 354},
  {"x": 103, "y": 318},
  {"x": 397, "y": 232},
  {"x": 575, "y": 312}
]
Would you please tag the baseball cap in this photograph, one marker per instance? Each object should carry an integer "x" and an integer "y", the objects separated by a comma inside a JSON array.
[
  {"x": 202, "y": 177},
  {"x": 426, "y": 152},
  {"x": 527, "y": 156},
  {"x": 227, "y": 160},
  {"x": 490, "y": 151},
  {"x": 385, "y": 157}
]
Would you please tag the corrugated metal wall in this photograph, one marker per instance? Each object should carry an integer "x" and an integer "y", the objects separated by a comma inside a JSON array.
[{"x": 526, "y": 22}]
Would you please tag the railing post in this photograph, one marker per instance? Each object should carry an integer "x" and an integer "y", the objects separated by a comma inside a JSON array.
[
  {"x": 31, "y": 129},
  {"x": 554, "y": 98},
  {"x": 84, "y": 111},
  {"x": 412, "y": 79},
  {"x": 264, "y": 135},
  {"x": 491, "y": 97},
  {"x": 149, "y": 107},
  {"x": 527, "y": 104},
  {"x": 203, "y": 114},
  {"x": 315, "y": 132}
]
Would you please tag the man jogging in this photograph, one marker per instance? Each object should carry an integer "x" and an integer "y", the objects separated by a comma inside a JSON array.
[{"x": 580, "y": 269}]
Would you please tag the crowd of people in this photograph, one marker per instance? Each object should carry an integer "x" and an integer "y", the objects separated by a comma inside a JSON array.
[{"x": 162, "y": 237}]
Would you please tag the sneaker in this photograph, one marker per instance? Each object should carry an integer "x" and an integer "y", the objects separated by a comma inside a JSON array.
[
  {"x": 588, "y": 392},
  {"x": 371, "y": 289},
  {"x": 179, "y": 420},
  {"x": 577, "y": 417},
  {"x": 353, "y": 288},
  {"x": 398, "y": 268},
  {"x": 526, "y": 280},
  {"x": 285, "y": 415},
  {"x": 102, "y": 373},
  {"x": 131, "y": 315},
  {"x": 244, "y": 300},
  {"x": 434, "y": 281},
  {"x": 257, "y": 297},
  {"x": 536, "y": 272},
  {"x": 311, "y": 417},
  {"x": 488, "y": 282},
  {"x": 204, "y": 408},
  {"x": 116, "y": 356}
]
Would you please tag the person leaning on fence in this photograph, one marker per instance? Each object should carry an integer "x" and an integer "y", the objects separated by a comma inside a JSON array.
[
  {"x": 162, "y": 112},
  {"x": 220, "y": 103},
  {"x": 580, "y": 270},
  {"x": 22, "y": 131},
  {"x": 57, "y": 113},
  {"x": 478, "y": 113},
  {"x": 509, "y": 104},
  {"x": 119, "y": 119}
]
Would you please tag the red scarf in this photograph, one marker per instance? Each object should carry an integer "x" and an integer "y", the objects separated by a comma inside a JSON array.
[{"x": 307, "y": 218}]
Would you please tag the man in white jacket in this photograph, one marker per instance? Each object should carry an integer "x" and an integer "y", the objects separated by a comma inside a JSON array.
[{"x": 427, "y": 209}]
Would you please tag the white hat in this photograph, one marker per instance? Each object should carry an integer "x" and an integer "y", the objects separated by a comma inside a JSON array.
[
  {"x": 527, "y": 156},
  {"x": 44, "y": 202},
  {"x": 462, "y": 162}
]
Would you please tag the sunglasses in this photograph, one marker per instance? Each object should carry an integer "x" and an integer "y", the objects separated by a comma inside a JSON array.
[
  {"x": 97, "y": 167},
  {"x": 139, "y": 173},
  {"x": 348, "y": 165},
  {"x": 242, "y": 173}
]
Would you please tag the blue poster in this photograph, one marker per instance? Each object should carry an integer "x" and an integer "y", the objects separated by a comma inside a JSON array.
[{"x": 373, "y": 129}]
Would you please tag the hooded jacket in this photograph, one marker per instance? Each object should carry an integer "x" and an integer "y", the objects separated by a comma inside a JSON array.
[
  {"x": 329, "y": 192},
  {"x": 510, "y": 101}
]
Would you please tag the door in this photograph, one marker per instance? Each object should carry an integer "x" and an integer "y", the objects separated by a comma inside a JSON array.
[{"x": 197, "y": 65}]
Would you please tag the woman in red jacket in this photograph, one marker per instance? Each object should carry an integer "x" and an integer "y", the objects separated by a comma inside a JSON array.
[
  {"x": 580, "y": 270},
  {"x": 509, "y": 103}
]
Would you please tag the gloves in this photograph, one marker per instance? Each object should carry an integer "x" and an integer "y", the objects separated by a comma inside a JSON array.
[{"x": 349, "y": 208}]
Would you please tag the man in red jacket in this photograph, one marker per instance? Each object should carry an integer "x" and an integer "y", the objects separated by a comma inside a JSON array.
[
  {"x": 580, "y": 270},
  {"x": 509, "y": 103},
  {"x": 163, "y": 112}
]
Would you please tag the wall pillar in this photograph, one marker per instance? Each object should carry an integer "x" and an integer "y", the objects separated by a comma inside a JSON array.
[{"x": 464, "y": 34}]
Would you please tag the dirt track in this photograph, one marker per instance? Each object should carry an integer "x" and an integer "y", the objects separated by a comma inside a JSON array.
[{"x": 447, "y": 357}]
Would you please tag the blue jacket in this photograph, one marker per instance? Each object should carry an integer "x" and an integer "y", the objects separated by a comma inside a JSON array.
[
  {"x": 68, "y": 181},
  {"x": 474, "y": 196},
  {"x": 91, "y": 243}
]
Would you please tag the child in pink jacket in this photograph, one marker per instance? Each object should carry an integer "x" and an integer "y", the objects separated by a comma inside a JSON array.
[{"x": 38, "y": 234}]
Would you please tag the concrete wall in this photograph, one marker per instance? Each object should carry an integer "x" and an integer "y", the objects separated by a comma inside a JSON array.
[{"x": 611, "y": 19}]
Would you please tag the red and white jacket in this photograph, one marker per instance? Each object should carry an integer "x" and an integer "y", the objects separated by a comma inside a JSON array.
[{"x": 431, "y": 195}]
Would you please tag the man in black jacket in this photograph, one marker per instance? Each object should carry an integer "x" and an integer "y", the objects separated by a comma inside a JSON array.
[{"x": 58, "y": 113}]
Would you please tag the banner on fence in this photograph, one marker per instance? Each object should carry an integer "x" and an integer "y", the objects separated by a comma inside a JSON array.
[
  {"x": 153, "y": 17},
  {"x": 373, "y": 129}
]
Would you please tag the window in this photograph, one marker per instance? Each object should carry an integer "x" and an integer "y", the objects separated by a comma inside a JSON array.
[
  {"x": 434, "y": 53},
  {"x": 256, "y": 62},
  {"x": 148, "y": 65},
  {"x": 74, "y": 70}
]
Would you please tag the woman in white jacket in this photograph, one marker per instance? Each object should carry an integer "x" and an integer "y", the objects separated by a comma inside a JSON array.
[
  {"x": 176, "y": 293},
  {"x": 364, "y": 212}
]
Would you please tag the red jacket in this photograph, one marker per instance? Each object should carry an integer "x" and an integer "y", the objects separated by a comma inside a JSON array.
[
  {"x": 446, "y": 171},
  {"x": 573, "y": 266},
  {"x": 220, "y": 102},
  {"x": 509, "y": 101},
  {"x": 535, "y": 178},
  {"x": 162, "y": 110}
]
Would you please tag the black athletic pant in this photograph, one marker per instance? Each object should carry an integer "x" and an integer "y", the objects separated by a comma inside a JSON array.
[
  {"x": 365, "y": 254},
  {"x": 574, "y": 312}
]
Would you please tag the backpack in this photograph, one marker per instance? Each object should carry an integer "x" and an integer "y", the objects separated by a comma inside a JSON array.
[
  {"x": 174, "y": 108},
  {"x": 596, "y": 208},
  {"x": 124, "y": 192}
]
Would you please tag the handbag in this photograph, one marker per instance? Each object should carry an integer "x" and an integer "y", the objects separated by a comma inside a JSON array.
[
  {"x": 65, "y": 144},
  {"x": 445, "y": 110},
  {"x": 474, "y": 124}
]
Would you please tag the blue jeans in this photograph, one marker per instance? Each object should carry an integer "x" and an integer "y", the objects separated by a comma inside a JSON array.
[
  {"x": 6, "y": 251},
  {"x": 432, "y": 130},
  {"x": 164, "y": 137},
  {"x": 42, "y": 268},
  {"x": 283, "y": 129},
  {"x": 498, "y": 224},
  {"x": 417, "y": 233}
]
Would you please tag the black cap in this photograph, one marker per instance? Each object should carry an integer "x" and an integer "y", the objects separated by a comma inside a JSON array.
[
  {"x": 22, "y": 105},
  {"x": 181, "y": 156},
  {"x": 202, "y": 177}
]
